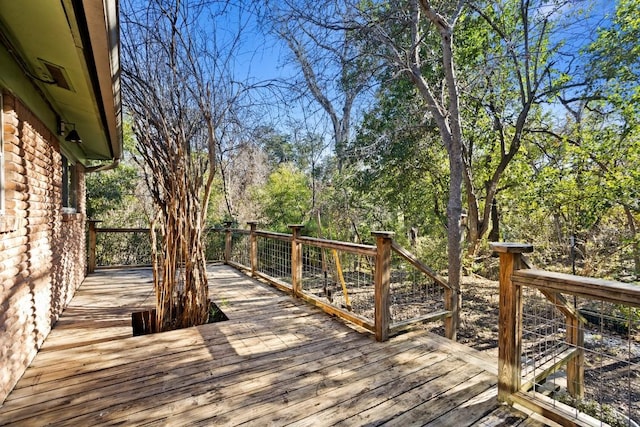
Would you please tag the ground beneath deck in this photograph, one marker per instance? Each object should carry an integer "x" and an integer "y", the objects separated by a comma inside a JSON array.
[{"x": 276, "y": 361}]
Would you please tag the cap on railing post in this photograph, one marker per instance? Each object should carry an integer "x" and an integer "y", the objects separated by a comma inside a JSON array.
[
  {"x": 296, "y": 259},
  {"x": 382, "y": 315},
  {"x": 510, "y": 318},
  {"x": 253, "y": 246},
  {"x": 227, "y": 241}
]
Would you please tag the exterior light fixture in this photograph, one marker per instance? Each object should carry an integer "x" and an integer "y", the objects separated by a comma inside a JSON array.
[{"x": 72, "y": 136}]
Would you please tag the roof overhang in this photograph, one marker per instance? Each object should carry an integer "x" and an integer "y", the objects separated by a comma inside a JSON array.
[{"x": 69, "y": 51}]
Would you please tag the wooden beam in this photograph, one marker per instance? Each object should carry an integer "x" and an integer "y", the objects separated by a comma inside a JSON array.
[
  {"x": 227, "y": 242},
  {"x": 600, "y": 289},
  {"x": 296, "y": 259},
  {"x": 510, "y": 319},
  {"x": 91, "y": 267},
  {"x": 382, "y": 284},
  {"x": 419, "y": 265},
  {"x": 543, "y": 371},
  {"x": 406, "y": 324},
  {"x": 253, "y": 249},
  {"x": 341, "y": 246}
]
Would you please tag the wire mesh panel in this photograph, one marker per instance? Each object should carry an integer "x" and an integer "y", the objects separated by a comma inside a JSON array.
[
  {"x": 543, "y": 333},
  {"x": 214, "y": 247},
  {"x": 339, "y": 278},
  {"x": 274, "y": 258},
  {"x": 123, "y": 248},
  {"x": 610, "y": 349},
  {"x": 413, "y": 294},
  {"x": 241, "y": 248}
]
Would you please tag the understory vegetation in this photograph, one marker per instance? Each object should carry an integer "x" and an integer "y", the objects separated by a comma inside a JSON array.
[{"x": 452, "y": 124}]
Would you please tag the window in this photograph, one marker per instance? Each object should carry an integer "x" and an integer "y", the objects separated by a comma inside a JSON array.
[{"x": 69, "y": 187}]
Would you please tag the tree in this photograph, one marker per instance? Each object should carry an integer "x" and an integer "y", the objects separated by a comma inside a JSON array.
[
  {"x": 330, "y": 58},
  {"x": 400, "y": 163},
  {"x": 182, "y": 99},
  {"x": 285, "y": 198},
  {"x": 516, "y": 49},
  {"x": 436, "y": 82},
  {"x": 615, "y": 64},
  {"x": 111, "y": 195}
]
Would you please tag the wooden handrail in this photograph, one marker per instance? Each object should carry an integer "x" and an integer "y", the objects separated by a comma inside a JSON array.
[
  {"x": 273, "y": 235},
  {"x": 93, "y": 240},
  {"x": 367, "y": 250},
  {"x": 122, "y": 230},
  {"x": 419, "y": 265},
  {"x": 240, "y": 231},
  {"x": 605, "y": 290}
]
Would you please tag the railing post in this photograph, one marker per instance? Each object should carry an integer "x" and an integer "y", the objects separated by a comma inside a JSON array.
[
  {"x": 382, "y": 283},
  {"x": 253, "y": 247},
  {"x": 93, "y": 238},
  {"x": 227, "y": 241},
  {"x": 510, "y": 319},
  {"x": 575, "y": 367},
  {"x": 296, "y": 259}
]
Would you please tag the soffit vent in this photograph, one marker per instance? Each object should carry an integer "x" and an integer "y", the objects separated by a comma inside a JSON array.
[{"x": 58, "y": 75}]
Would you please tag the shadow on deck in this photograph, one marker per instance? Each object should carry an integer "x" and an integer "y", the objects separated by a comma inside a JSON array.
[{"x": 277, "y": 361}]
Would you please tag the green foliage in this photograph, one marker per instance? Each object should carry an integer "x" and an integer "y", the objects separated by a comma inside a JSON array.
[
  {"x": 111, "y": 194},
  {"x": 285, "y": 198},
  {"x": 400, "y": 166},
  {"x": 110, "y": 191},
  {"x": 614, "y": 58}
]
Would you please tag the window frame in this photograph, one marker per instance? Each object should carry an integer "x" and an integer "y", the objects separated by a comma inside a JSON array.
[{"x": 69, "y": 194}]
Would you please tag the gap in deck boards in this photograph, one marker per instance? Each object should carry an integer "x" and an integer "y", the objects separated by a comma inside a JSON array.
[{"x": 143, "y": 322}]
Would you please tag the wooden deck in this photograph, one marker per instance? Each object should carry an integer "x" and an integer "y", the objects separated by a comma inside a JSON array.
[{"x": 276, "y": 361}]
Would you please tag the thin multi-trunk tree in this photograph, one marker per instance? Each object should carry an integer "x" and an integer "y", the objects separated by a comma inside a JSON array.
[{"x": 179, "y": 93}]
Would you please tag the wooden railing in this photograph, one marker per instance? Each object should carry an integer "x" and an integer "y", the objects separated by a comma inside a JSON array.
[
  {"x": 134, "y": 250},
  {"x": 362, "y": 275},
  {"x": 129, "y": 253},
  {"x": 551, "y": 296},
  {"x": 357, "y": 282},
  {"x": 363, "y": 284}
]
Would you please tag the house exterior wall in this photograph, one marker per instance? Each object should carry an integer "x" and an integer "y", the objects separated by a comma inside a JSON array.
[{"x": 42, "y": 249}]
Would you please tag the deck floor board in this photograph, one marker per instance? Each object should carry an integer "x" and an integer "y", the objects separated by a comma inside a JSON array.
[{"x": 276, "y": 361}]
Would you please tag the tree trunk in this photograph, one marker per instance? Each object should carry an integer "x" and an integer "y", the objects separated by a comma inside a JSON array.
[
  {"x": 494, "y": 234},
  {"x": 454, "y": 233},
  {"x": 631, "y": 222}
]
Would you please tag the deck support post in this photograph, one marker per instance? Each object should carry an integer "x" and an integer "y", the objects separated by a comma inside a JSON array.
[
  {"x": 227, "y": 241},
  {"x": 510, "y": 319},
  {"x": 296, "y": 259},
  {"x": 253, "y": 247},
  {"x": 575, "y": 367},
  {"x": 93, "y": 238},
  {"x": 382, "y": 283}
]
